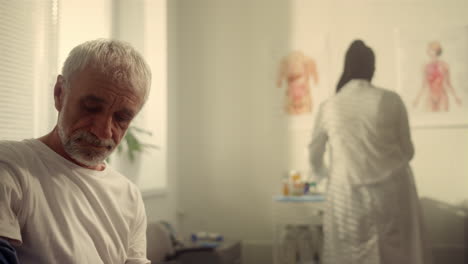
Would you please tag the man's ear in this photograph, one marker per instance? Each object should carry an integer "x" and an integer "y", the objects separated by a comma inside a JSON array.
[{"x": 59, "y": 92}]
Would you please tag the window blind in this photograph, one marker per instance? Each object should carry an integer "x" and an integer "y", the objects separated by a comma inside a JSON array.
[{"x": 28, "y": 59}]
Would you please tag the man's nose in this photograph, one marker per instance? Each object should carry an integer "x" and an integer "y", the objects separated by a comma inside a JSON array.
[{"x": 102, "y": 127}]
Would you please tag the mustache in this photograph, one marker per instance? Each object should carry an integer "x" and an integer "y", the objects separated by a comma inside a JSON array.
[{"x": 91, "y": 139}]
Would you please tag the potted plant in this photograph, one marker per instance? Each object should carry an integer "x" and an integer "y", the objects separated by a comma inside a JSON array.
[{"x": 131, "y": 144}]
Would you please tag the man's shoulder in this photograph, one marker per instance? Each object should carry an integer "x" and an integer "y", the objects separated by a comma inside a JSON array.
[
  {"x": 15, "y": 151},
  {"x": 125, "y": 183},
  {"x": 9, "y": 144},
  {"x": 16, "y": 158}
]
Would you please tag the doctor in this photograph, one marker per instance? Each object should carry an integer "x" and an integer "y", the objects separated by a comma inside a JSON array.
[{"x": 373, "y": 214}]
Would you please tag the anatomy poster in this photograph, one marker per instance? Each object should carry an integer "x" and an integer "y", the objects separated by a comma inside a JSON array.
[
  {"x": 300, "y": 78},
  {"x": 299, "y": 74},
  {"x": 433, "y": 75}
]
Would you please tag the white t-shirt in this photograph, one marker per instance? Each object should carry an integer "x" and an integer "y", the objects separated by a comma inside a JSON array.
[{"x": 64, "y": 213}]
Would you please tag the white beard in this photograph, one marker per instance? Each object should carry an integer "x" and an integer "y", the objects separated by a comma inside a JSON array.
[{"x": 87, "y": 156}]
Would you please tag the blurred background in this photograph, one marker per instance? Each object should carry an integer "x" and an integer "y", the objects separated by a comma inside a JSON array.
[{"x": 215, "y": 111}]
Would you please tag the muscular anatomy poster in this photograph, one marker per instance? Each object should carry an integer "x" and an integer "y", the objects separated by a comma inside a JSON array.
[
  {"x": 433, "y": 75},
  {"x": 300, "y": 79}
]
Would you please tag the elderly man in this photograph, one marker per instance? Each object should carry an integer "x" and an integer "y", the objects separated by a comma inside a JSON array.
[{"x": 60, "y": 202}]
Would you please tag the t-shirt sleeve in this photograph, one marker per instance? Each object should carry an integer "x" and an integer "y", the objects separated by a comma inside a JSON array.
[
  {"x": 11, "y": 196},
  {"x": 137, "y": 245}
]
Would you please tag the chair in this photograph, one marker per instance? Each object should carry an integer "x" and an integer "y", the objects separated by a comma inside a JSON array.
[{"x": 164, "y": 248}]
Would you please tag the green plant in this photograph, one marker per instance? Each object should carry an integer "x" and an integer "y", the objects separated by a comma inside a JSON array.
[{"x": 132, "y": 145}]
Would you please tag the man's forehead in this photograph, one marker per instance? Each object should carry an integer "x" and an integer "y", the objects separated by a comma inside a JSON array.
[
  {"x": 97, "y": 81},
  {"x": 106, "y": 80},
  {"x": 117, "y": 78}
]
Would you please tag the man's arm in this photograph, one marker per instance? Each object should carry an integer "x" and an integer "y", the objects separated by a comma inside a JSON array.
[
  {"x": 7, "y": 252},
  {"x": 137, "y": 245},
  {"x": 10, "y": 199},
  {"x": 11, "y": 196}
]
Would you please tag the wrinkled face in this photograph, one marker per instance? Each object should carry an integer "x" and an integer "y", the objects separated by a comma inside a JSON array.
[{"x": 94, "y": 114}]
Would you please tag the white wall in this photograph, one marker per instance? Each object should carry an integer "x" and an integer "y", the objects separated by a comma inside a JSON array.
[{"x": 232, "y": 149}]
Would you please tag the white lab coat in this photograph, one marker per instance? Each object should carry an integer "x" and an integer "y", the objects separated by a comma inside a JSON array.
[{"x": 373, "y": 214}]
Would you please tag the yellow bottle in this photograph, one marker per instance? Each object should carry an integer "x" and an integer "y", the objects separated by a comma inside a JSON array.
[{"x": 285, "y": 187}]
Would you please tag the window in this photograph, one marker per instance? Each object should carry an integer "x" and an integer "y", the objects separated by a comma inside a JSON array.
[
  {"x": 28, "y": 51},
  {"x": 143, "y": 24}
]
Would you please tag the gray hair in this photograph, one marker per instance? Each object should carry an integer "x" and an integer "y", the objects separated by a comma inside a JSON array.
[{"x": 116, "y": 59}]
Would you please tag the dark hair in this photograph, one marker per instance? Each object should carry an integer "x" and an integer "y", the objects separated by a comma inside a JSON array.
[{"x": 359, "y": 63}]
